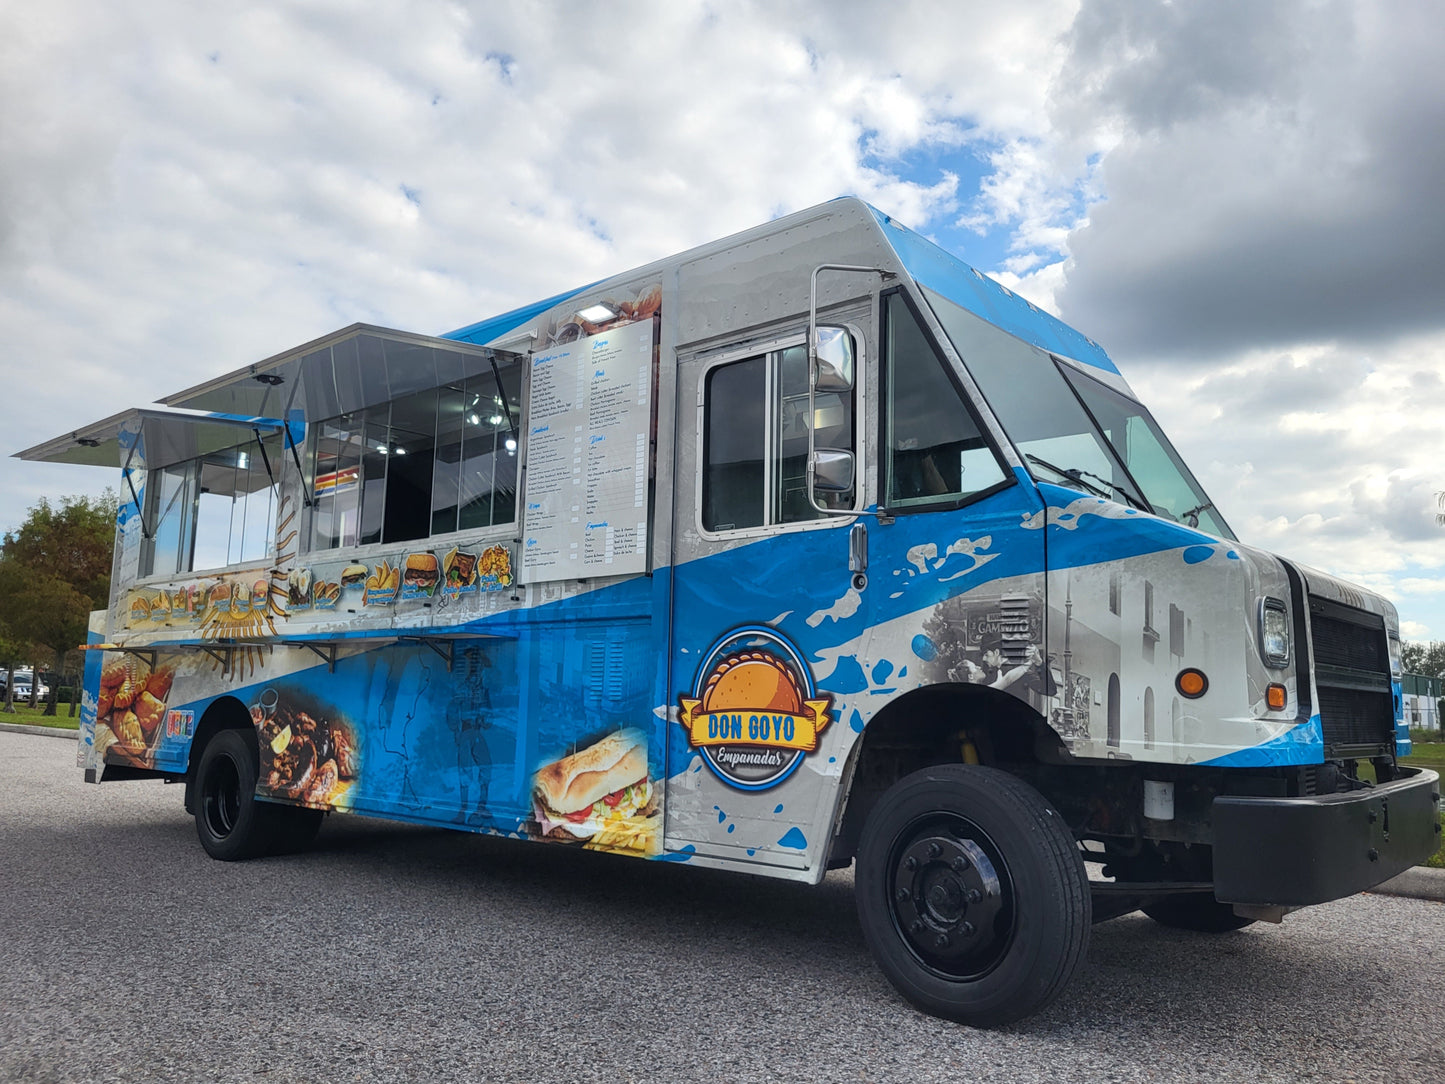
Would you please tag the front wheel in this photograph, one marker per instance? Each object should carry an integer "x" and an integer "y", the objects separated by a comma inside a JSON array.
[
  {"x": 972, "y": 895},
  {"x": 231, "y": 823}
]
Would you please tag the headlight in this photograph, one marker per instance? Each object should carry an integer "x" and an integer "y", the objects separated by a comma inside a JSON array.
[
  {"x": 1274, "y": 632},
  {"x": 1395, "y": 667}
]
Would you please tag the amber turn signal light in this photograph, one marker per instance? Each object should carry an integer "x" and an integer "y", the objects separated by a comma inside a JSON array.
[
  {"x": 1191, "y": 683},
  {"x": 1276, "y": 697}
]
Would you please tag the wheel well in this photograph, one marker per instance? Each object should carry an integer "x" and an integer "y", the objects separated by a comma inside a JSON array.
[
  {"x": 225, "y": 713},
  {"x": 939, "y": 724}
]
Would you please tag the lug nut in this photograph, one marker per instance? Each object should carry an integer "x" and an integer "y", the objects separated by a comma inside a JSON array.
[
  {"x": 966, "y": 929},
  {"x": 917, "y": 926},
  {"x": 902, "y": 894},
  {"x": 941, "y": 941},
  {"x": 934, "y": 850},
  {"x": 910, "y": 863},
  {"x": 960, "y": 864},
  {"x": 974, "y": 895}
]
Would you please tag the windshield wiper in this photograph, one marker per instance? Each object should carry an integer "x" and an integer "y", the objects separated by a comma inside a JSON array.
[{"x": 1077, "y": 476}]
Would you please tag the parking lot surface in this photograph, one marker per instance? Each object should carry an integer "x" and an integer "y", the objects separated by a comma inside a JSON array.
[{"x": 398, "y": 953}]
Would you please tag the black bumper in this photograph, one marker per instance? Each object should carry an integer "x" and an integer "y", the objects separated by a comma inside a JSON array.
[{"x": 1298, "y": 851}]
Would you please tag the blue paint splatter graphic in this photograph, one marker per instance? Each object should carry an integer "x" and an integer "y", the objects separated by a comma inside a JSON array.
[
  {"x": 924, "y": 648},
  {"x": 751, "y": 852},
  {"x": 881, "y": 671},
  {"x": 731, "y": 828},
  {"x": 721, "y": 816},
  {"x": 1232, "y": 555},
  {"x": 1194, "y": 554},
  {"x": 779, "y": 808},
  {"x": 856, "y": 721},
  {"x": 794, "y": 840},
  {"x": 678, "y": 856},
  {"x": 847, "y": 676},
  {"x": 903, "y": 673}
]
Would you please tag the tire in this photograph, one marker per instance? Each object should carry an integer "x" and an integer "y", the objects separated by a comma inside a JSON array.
[
  {"x": 972, "y": 894},
  {"x": 1196, "y": 911},
  {"x": 231, "y": 823}
]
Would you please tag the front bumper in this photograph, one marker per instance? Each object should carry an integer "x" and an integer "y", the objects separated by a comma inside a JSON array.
[{"x": 1297, "y": 851}]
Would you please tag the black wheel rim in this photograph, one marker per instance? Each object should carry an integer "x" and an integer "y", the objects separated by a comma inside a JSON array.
[
  {"x": 221, "y": 797},
  {"x": 950, "y": 896}
]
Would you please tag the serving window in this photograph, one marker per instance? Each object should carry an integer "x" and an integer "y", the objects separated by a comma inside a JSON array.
[
  {"x": 212, "y": 511},
  {"x": 433, "y": 462}
]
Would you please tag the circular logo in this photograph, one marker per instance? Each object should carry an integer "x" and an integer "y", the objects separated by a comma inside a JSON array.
[{"x": 756, "y": 713}]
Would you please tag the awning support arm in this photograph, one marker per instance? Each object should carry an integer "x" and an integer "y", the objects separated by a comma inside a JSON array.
[
  {"x": 145, "y": 531},
  {"x": 296, "y": 458},
  {"x": 502, "y": 395}
]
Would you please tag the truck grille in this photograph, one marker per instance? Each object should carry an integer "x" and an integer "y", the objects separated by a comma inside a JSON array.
[{"x": 1352, "y": 673}]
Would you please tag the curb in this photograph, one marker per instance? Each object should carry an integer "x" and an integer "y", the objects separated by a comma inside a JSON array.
[
  {"x": 1420, "y": 883},
  {"x": 42, "y": 731}
]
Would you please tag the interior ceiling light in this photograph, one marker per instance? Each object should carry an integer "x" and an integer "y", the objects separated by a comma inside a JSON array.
[
  {"x": 474, "y": 419},
  {"x": 596, "y": 314}
]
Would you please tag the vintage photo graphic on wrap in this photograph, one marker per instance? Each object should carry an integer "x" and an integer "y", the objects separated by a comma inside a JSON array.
[{"x": 755, "y": 712}]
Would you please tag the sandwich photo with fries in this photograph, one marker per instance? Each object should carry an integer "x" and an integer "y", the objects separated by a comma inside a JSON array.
[{"x": 600, "y": 796}]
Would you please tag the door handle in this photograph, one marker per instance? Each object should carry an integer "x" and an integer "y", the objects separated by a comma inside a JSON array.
[{"x": 858, "y": 555}]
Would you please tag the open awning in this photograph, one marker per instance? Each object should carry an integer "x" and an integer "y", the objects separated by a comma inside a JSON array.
[
  {"x": 351, "y": 369},
  {"x": 164, "y": 436}
]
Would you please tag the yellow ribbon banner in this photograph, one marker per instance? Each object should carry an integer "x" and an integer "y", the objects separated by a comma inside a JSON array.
[{"x": 779, "y": 730}]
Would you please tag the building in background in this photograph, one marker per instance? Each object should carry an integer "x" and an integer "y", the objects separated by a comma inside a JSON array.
[{"x": 1422, "y": 700}]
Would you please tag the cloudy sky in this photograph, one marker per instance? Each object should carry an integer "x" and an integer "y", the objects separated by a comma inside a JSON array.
[{"x": 1240, "y": 201}]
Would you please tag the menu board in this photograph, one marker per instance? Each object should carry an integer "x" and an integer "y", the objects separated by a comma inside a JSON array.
[{"x": 589, "y": 421}]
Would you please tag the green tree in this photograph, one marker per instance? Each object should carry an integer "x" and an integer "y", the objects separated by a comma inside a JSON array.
[
  {"x": 1426, "y": 659},
  {"x": 55, "y": 569}
]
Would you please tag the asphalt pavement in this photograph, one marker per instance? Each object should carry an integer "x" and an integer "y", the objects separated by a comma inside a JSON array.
[{"x": 397, "y": 953}]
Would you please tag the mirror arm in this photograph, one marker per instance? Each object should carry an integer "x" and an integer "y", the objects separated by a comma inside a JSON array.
[{"x": 812, "y": 389}]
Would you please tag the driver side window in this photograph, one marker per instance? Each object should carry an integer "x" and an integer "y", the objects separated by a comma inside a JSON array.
[{"x": 936, "y": 453}]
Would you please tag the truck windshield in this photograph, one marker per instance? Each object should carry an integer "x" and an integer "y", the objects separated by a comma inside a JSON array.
[{"x": 1073, "y": 430}]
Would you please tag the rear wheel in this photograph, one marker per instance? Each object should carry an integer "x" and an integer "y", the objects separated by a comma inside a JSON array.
[
  {"x": 972, "y": 895},
  {"x": 1197, "y": 911},
  {"x": 231, "y": 823}
]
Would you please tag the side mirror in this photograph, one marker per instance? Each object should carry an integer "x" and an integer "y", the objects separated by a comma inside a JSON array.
[
  {"x": 832, "y": 471},
  {"x": 833, "y": 348}
]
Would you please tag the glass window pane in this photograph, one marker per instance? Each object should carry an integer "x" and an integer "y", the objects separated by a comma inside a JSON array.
[
  {"x": 375, "y": 449},
  {"x": 409, "y": 467},
  {"x": 733, "y": 436},
  {"x": 338, "y": 468},
  {"x": 833, "y": 419},
  {"x": 454, "y": 412},
  {"x": 171, "y": 503},
  {"x": 935, "y": 450},
  {"x": 1153, "y": 463},
  {"x": 489, "y": 459},
  {"x": 1041, "y": 414}
]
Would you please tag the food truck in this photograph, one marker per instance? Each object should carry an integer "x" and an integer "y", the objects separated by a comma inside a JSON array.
[{"x": 812, "y": 546}]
